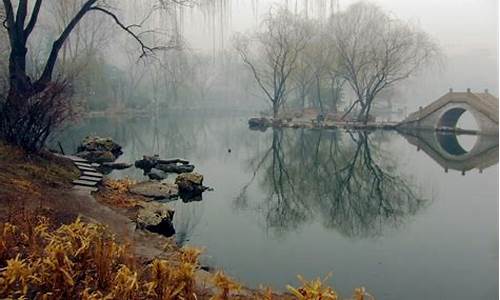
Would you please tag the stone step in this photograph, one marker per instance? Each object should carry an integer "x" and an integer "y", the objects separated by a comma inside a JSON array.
[
  {"x": 76, "y": 158},
  {"x": 90, "y": 178},
  {"x": 83, "y": 164},
  {"x": 95, "y": 165},
  {"x": 85, "y": 188},
  {"x": 92, "y": 174},
  {"x": 84, "y": 182},
  {"x": 85, "y": 169}
]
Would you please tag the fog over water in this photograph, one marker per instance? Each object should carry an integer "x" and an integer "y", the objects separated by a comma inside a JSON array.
[
  {"x": 467, "y": 31},
  {"x": 407, "y": 215},
  {"x": 276, "y": 211}
]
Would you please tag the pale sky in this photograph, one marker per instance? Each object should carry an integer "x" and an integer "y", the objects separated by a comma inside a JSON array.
[
  {"x": 466, "y": 30},
  {"x": 454, "y": 23}
]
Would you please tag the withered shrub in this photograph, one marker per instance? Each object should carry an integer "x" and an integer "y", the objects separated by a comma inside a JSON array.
[
  {"x": 27, "y": 121},
  {"x": 80, "y": 260}
]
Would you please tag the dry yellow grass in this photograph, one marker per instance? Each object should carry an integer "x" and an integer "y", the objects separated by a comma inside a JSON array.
[
  {"x": 43, "y": 169},
  {"x": 43, "y": 258},
  {"x": 115, "y": 193},
  {"x": 27, "y": 180},
  {"x": 84, "y": 261}
]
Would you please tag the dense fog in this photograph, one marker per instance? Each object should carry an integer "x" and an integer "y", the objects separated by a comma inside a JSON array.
[{"x": 197, "y": 66}]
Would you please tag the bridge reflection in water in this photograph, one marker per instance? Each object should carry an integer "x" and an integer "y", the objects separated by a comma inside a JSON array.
[{"x": 446, "y": 150}]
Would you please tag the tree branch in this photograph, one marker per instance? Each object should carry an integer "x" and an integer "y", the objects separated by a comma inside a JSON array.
[
  {"x": 9, "y": 15},
  {"x": 144, "y": 48},
  {"x": 33, "y": 19},
  {"x": 56, "y": 47}
]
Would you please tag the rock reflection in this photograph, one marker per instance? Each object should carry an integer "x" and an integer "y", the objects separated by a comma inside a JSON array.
[{"x": 342, "y": 178}]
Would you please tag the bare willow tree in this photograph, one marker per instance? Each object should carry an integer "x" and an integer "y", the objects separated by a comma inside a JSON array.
[
  {"x": 21, "y": 20},
  {"x": 88, "y": 39},
  {"x": 29, "y": 93},
  {"x": 376, "y": 51},
  {"x": 4, "y": 49},
  {"x": 272, "y": 53}
]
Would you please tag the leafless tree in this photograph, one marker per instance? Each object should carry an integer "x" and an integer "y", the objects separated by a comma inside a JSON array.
[
  {"x": 26, "y": 98},
  {"x": 376, "y": 51},
  {"x": 4, "y": 49},
  {"x": 322, "y": 58},
  {"x": 89, "y": 38},
  {"x": 303, "y": 78},
  {"x": 204, "y": 75},
  {"x": 272, "y": 53},
  {"x": 21, "y": 20}
]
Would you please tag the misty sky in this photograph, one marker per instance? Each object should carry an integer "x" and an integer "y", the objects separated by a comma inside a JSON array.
[
  {"x": 466, "y": 30},
  {"x": 454, "y": 23}
]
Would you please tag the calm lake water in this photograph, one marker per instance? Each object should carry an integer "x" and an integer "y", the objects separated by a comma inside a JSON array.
[{"x": 376, "y": 209}]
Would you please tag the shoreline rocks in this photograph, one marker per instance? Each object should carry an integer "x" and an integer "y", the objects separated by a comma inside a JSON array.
[
  {"x": 312, "y": 123},
  {"x": 190, "y": 185},
  {"x": 116, "y": 165},
  {"x": 155, "y": 189},
  {"x": 259, "y": 123},
  {"x": 175, "y": 168},
  {"x": 156, "y": 174},
  {"x": 146, "y": 163},
  {"x": 99, "y": 150},
  {"x": 149, "y": 163},
  {"x": 156, "y": 217},
  {"x": 97, "y": 156},
  {"x": 108, "y": 167}
]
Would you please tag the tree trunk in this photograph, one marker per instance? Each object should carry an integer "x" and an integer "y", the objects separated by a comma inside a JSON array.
[
  {"x": 318, "y": 91},
  {"x": 335, "y": 96},
  {"x": 303, "y": 98},
  {"x": 275, "y": 110},
  {"x": 367, "y": 108},
  {"x": 362, "y": 113},
  {"x": 19, "y": 81}
]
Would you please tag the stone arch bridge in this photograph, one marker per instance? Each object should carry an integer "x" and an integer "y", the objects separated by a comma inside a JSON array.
[
  {"x": 445, "y": 149},
  {"x": 444, "y": 113}
]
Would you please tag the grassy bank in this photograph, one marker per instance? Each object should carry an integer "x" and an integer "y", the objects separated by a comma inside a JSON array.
[{"x": 50, "y": 250}]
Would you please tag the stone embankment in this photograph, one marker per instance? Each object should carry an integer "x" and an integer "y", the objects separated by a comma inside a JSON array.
[
  {"x": 96, "y": 157},
  {"x": 263, "y": 123}
]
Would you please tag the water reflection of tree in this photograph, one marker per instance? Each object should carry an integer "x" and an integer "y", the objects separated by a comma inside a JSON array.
[{"x": 341, "y": 178}]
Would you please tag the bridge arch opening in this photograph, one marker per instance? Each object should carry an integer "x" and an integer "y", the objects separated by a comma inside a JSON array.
[
  {"x": 450, "y": 118},
  {"x": 456, "y": 144},
  {"x": 458, "y": 117}
]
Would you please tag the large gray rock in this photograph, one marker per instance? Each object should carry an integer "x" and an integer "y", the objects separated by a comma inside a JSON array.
[
  {"x": 259, "y": 123},
  {"x": 108, "y": 167},
  {"x": 155, "y": 189},
  {"x": 156, "y": 217},
  {"x": 97, "y": 156},
  {"x": 156, "y": 174},
  {"x": 147, "y": 162},
  {"x": 99, "y": 144},
  {"x": 116, "y": 165},
  {"x": 193, "y": 178},
  {"x": 175, "y": 168},
  {"x": 190, "y": 185},
  {"x": 166, "y": 165}
]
